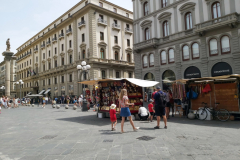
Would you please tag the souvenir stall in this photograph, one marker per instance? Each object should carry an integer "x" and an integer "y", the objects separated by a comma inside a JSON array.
[
  {"x": 222, "y": 89},
  {"x": 109, "y": 89}
]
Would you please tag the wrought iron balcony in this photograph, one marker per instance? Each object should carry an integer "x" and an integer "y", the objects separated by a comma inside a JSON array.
[
  {"x": 54, "y": 40},
  {"x": 102, "y": 22},
  {"x": 128, "y": 30},
  {"x": 61, "y": 36},
  {"x": 43, "y": 46},
  {"x": 48, "y": 43},
  {"x": 230, "y": 19},
  {"x": 116, "y": 26},
  {"x": 35, "y": 50},
  {"x": 69, "y": 31},
  {"x": 81, "y": 24}
]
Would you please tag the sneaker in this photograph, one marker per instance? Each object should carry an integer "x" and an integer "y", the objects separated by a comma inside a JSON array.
[
  {"x": 136, "y": 128},
  {"x": 165, "y": 127},
  {"x": 157, "y": 127}
]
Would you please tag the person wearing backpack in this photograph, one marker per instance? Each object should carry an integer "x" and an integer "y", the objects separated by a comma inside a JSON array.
[{"x": 159, "y": 107}]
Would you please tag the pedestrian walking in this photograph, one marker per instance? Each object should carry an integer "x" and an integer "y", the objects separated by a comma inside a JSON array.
[
  {"x": 62, "y": 99},
  {"x": 68, "y": 100},
  {"x": 125, "y": 112},
  {"x": 150, "y": 109},
  {"x": 80, "y": 101},
  {"x": 113, "y": 117},
  {"x": 160, "y": 107},
  {"x": 46, "y": 100},
  {"x": 43, "y": 106}
]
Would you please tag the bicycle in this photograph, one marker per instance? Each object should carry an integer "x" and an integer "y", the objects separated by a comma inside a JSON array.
[{"x": 221, "y": 114}]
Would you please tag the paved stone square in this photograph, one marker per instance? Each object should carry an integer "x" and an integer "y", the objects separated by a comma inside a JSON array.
[{"x": 34, "y": 133}]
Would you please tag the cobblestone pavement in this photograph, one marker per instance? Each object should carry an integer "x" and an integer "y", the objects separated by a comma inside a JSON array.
[{"x": 34, "y": 133}]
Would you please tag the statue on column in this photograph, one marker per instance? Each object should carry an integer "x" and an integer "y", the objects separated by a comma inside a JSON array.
[{"x": 8, "y": 44}]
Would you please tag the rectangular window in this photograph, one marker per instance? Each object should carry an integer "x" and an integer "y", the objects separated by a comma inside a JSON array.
[
  {"x": 49, "y": 82},
  {"x": 43, "y": 82},
  {"x": 62, "y": 61},
  {"x": 43, "y": 55},
  {"x": 49, "y": 65},
  {"x": 62, "y": 47},
  {"x": 100, "y": 16},
  {"x": 49, "y": 54},
  {"x": 55, "y": 80},
  {"x": 115, "y": 39},
  {"x": 82, "y": 19},
  {"x": 127, "y": 26},
  {"x": 27, "y": 63},
  {"x": 44, "y": 67},
  {"x": 62, "y": 79},
  {"x": 55, "y": 63},
  {"x": 30, "y": 61},
  {"x": 36, "y": 59},
  {"x": 128, "y": 42},
  {"x": 83, "y": 37},
  {"x": 129, "y": 75},
  {"x": 70, "y": 27},
  {"x": 117, "y": 75},
  {"x": 70, "y": 44},
  {"x": 103, "y": 75},
  {"x": 115, "y": 21},
  {"x": 55, "y": 50},
  {"x": 100, "y": 4},
  {"x": 101, "y": 36},
  {"x": 70, "y": 78}
]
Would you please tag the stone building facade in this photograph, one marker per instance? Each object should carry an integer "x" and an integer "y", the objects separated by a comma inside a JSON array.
[
  {"x": 95, "y": 31},
  {"x": 13, "y": 77},
  {"x": 183, "y": 39}
]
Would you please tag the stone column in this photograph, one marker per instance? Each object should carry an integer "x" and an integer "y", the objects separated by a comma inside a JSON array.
[{"x": 7, "y": 59}]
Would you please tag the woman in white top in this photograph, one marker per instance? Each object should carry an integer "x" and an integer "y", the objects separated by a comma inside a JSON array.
[{"x": 80, "y": 101}]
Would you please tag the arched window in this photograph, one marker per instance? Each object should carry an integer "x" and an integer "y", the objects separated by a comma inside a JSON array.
[
  {"x": 102, "y": 53},
  {"x": 145, "y": 8},
  {"x": 62, "y": 61},
  {"x": 164, "y": 3},
  {"x": 171, "y": 56},
  {"x": 163, "y": 57},
  {"x": 147, "y": 34},
  {"x": 151, "y": 60},
  {"x": 165, "y": 29},
  {"x": 216, "y": 10},
  {"x": 145, "y": 63},
  {"x": 116, "y": 56},
  {"x": 188, "y": 20},
  {"x": 213, "y": 47},
  {"x": 70, "y": 59},
  {"x": 225, "y": 45},
  {"x": 195, "y": 50},
  {"x": 128, "y": 57},
  {"x": 185, "y": 51},
  {"x": 83, "y": 54}
]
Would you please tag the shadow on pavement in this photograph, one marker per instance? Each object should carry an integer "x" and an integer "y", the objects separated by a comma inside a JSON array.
[{"x": 212, "y": 123}]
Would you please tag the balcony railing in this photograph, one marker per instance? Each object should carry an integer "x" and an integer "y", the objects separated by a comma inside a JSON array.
[
  {"x": 54, "y": 39},
  {"x": 102, "y": 22},
  {"x": 145, "y": 44},
  {"x": 48, "y": 43},
  {"x": 128, "y": 30},
  {"x": 116, "y": 26},
  {"x": 35, "y": 49},
  {"x": 61, "y": 36},
  {"x": 218, "y": 22},
  {"x": 43, "y": 46},
  {"x": 81, "y": 24},
  {"x": 69, "y": 31}
]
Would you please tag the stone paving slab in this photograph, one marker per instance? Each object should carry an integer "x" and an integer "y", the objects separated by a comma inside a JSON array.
[{"x": 34, "y": 133}]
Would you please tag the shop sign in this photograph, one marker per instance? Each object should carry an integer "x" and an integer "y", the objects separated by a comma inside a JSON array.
[
  {"x": 192, "y": 72},
  {"x": 221, "y": 69}
]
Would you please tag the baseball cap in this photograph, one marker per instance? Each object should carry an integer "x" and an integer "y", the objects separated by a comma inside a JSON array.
[{"x": 158, "y": 87}]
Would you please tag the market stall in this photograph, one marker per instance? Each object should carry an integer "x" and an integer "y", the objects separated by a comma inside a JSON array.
[{"x": 108, "y": 91}]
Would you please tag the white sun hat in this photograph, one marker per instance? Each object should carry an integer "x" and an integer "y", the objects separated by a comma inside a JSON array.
[{"x": 113, "y": 106}]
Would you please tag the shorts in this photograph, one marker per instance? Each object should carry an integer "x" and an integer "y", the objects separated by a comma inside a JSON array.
[
  {"x": 43, "y": 101},
  {"x": 168, "y": 104},
  {"x": 152, "y": 113},
  {"x": 160, "y": 111}
]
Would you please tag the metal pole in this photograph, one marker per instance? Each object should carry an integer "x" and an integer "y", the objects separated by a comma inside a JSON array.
[{"x": 20, "y": 94}]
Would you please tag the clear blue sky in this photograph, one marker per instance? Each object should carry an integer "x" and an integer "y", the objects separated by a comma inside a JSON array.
[{"x": 22, "y": 19}]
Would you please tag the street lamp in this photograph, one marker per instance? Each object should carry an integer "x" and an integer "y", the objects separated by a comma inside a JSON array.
[
  {"x": 84, "y": 68},
  {"x": 20, "y": 82}
]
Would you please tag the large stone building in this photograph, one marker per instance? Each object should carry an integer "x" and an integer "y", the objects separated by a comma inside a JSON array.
[
  {"x": 95, "y": 31},
  {"x": 13, "y": 77},
  {"x": 183, "y": 39}
]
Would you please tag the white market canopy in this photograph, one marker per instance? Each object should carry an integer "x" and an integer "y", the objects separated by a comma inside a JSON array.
[
  {"x": 47, "y": 91},
  {"x": 41, "y": 92},
  {"x": 34, "y": 95},
  {"x": 138, "y": 82}
]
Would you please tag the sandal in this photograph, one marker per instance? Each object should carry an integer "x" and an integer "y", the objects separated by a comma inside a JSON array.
[{"x": 136, "y": 129}]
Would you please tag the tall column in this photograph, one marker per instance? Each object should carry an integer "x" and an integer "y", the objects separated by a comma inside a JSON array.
[{"x": 7, "y": 59}]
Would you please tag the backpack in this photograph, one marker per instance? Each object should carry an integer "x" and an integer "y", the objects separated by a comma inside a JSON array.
[{"x": 162, "y": 99}]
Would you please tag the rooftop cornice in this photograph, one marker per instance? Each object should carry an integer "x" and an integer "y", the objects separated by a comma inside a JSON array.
[
  {"x": 89, "y": 5},
  {"x": 116, "y": 6},
  {"x": 173, "y": 5}
]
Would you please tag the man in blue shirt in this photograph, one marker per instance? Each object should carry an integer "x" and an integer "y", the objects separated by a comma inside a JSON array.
[{"x": 160, "y": 107}]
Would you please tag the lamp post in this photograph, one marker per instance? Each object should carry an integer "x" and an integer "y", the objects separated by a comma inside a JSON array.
[
  {"x": 84, "y": 68},
  {"x": 20, "y": 82}
]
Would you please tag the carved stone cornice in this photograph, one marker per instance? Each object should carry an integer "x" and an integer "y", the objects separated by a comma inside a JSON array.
[
  {"x": 116, "y": 47},
  {"x": 49, "y": 59},
  {"x": 43, "y": 61},
  {"x": 102, "y": 44},
  {"x": 129, "y": 50},
  {"x": 62, "y": 54},
  {"x": 70, "y": 51},
  {"x": 55, "y": 57},
  {"x": 83, "y": 45}
]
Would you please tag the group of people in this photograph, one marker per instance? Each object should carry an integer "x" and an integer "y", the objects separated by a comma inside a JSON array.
[
  {"x": 159, "y": 106},
  {"x": 8, "y": 102}
]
